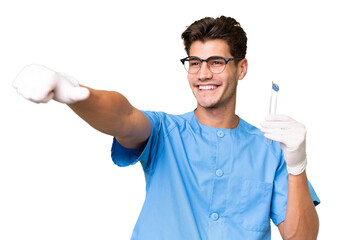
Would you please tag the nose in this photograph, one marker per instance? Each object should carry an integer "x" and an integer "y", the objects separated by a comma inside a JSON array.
[{"x": 204, "y": 72}]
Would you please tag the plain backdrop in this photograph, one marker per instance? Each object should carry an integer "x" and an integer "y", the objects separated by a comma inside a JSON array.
[{"x": 57, "y": 180}]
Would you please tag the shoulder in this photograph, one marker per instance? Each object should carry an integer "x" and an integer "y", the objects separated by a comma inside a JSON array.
[
  {"x": 257, "y": 136},
  {"x": 167, "y": 121},
  {"x": 250, "y": 130}
]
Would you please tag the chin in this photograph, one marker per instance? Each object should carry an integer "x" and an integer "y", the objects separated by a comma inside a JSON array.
[{"x": 208, "y": 105}]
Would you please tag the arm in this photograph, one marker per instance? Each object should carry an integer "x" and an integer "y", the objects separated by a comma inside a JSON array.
[
  {"x": 111, "y": 113},
  {"x": 108, "y": 112},
  {"x": 301, "y": 219}
]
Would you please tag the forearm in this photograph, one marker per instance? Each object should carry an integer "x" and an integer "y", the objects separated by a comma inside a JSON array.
[
  {"x": 106, "y": 111},
  {"x": 301, "y": 220}
]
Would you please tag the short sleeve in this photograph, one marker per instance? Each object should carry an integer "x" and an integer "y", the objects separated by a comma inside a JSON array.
[
  {"x": 123, "y": 157},
  {"x": 314, "y": 196},
  {"x": 280, "y": 190}
]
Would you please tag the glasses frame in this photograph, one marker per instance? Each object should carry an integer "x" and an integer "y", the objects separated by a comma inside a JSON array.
[{"x": 183, "y": 60}]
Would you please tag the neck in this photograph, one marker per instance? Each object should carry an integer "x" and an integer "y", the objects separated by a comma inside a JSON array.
[{"x": 217, "y": 117}]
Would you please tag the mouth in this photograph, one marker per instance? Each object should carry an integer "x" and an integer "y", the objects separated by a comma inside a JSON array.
[{"x": 208, "y": 87}]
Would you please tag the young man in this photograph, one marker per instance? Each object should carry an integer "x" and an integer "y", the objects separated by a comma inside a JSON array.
[{"x": 209, "y": 174}]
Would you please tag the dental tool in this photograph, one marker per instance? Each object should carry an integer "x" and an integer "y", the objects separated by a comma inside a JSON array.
[{"x": 273, "y": 100}]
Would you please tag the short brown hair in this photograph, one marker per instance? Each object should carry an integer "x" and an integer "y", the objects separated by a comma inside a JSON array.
[{"x": 225, "y": 28}]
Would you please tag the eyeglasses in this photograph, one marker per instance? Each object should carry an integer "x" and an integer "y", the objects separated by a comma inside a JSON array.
[{"x": 216, "y": 64}]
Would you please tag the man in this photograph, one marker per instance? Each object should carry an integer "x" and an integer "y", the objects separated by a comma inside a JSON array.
[{"x": 209, "y": 174}]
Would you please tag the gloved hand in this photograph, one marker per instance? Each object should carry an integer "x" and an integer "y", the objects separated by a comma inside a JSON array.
[
  {"x": 292, "y": 137},
  {"x": 39, "y": 84}
]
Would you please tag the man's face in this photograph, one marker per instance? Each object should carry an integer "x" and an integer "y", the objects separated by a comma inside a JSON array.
[{"x": 215, "y": 90}]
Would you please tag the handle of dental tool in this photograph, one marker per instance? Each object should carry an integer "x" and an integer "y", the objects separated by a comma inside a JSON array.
[{"x": 273, "y": 101}]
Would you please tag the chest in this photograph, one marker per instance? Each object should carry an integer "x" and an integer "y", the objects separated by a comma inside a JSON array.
[{"x": 217, "y": 155}]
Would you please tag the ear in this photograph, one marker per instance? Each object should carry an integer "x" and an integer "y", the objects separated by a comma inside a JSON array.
[{"x": 242, "y": 68}]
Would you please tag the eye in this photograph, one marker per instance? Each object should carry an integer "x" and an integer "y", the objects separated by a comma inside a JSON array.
[
  {"x": 194, "y": 62},
  {"x": 216, "y": 62}
]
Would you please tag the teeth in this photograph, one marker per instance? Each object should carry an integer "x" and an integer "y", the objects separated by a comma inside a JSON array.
[{"x": 207, "y": 87}]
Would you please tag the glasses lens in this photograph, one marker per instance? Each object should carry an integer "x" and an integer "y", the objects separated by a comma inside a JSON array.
[
  {"x": 216, "y": 64},
  {"x": 192, "y": 65}
]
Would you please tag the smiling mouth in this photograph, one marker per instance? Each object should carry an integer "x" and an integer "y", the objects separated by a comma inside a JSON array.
[{"x": 207, "y": 87}]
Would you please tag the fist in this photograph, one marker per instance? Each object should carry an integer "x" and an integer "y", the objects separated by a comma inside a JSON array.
[
  {"x": 40, "y": 84},
  {"x": 292, "y": 137}
]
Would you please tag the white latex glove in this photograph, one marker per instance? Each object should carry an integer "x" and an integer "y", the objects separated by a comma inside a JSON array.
[
  {"x": 40, "y": 84},
  {"x": 292, "y": 137}
]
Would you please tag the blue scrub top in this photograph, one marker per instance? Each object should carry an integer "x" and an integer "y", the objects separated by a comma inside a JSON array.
[{"x": 208, "y": 183}]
